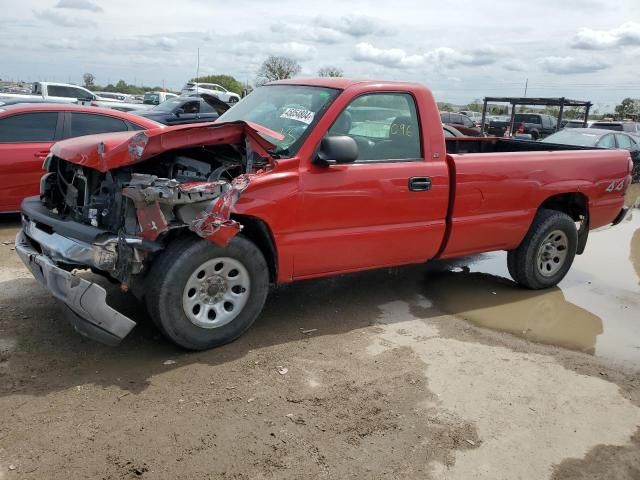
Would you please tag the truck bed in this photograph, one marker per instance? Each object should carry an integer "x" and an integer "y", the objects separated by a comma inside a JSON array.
[
  {"x": 498, "y": 185},
  {"x": 499, "y": 144}
]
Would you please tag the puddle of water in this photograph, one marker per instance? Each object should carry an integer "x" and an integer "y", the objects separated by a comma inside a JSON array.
[{"x": 595, "y": 309}]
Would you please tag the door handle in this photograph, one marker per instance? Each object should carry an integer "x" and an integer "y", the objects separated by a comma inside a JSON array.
[{"x": 419, "y": 184}]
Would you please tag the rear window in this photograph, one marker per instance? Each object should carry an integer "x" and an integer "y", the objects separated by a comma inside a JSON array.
[
  {"x": 524, "y": 118},
  {"x": 616, "y": 127},
  {"x": 29, "y": 127},
  {"x": 90, "y": 124}
]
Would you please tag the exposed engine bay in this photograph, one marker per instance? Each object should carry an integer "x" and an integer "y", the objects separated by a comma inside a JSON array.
[{"x": 194, "y": 188}]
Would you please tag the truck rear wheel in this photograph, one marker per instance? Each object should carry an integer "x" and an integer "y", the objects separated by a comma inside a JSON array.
[
  {"x": 547, "y": 251},
  {"x": 202, "y": 295}
]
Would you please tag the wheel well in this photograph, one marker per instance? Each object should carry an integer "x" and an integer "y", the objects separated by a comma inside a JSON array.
[
  {"x": 259, "y": 233},
  {"x": 574, "y": 204}
]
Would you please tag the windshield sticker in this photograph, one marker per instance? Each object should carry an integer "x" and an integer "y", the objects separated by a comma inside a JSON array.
[{"x": 300, "y": 114}]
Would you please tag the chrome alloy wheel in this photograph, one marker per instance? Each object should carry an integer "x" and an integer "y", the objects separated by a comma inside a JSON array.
[
  {"x": 216, "y": 292},
  {"x": 552, "y": 253}
]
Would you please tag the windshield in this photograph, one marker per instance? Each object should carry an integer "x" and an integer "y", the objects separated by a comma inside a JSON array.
[
  {"x": 168, "y": 105},
  {"x": 151, "y": 98},
  {"x": 289, "y": 109},
  {"x": 571, "y": 137}
]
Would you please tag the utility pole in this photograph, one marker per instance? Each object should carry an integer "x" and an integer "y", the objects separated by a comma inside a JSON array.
[
  {"x": 526, "y": 84},
  {"x": 197, "y": 70}
]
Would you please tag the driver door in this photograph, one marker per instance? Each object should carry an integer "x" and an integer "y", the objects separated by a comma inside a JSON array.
[{"x": 387, "y": 208}]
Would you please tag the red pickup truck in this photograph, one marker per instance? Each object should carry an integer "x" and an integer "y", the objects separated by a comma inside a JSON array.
[{"x": 301, "y": 179}]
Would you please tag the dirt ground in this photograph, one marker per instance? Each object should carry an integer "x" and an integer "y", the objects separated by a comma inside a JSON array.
[{"x": 444, "y": 371}]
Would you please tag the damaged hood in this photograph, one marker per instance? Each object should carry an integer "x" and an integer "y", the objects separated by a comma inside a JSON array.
[{"x": 113, "y": 150}]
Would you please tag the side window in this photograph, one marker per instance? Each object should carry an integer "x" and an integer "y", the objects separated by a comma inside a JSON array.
[
  {"x": 205, "y": 107},
  {"x": 29, "y": 127},
  {"x": 76, "y": 93},
  {"x": 91, "y": 123},
  {"x": 467, "y": 121},
  {"x": 56, "y": 91},
  {"x": 191, "y": 107},
  {"x": 607, "y": 142},
  {"x": 384, "y": 125},
  {"x": 624, "y": 142},
  {"x": 445, "y": 117}
]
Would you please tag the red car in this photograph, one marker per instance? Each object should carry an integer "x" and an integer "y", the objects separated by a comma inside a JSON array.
[
  {"x": 28, "y": 130},
  {"x": 303, "y": 178}
]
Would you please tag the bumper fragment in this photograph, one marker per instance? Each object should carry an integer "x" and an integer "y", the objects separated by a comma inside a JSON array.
[
  {"x": 85, "y": 301},
  {"x": 621, "y": 216}
]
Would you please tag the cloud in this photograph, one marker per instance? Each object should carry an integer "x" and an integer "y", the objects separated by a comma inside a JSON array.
[
  {"x": 61, "y": 44},
  {"x": 79, "y": 5},
  {"x": 389, "y": 57},
  {"x": 295, "y": 50},
  {"x": 62, "y": 20},
  {"x": 439, "y": 57},
  {"x": 448, "y": 57},
  {"x": 570, "y": 65},
  {"x": 627, "y": 34},
  {"x": 323, "y": 35},
  {"x": 515, "y": 65},
  {"x": 355, "y": 25},
  {"x": 163, "y": 42}
]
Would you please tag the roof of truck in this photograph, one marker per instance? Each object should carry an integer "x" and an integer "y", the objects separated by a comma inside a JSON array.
[{"x": 339, "y": 82}]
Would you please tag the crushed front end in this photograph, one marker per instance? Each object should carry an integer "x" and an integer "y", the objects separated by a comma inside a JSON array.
[{"x": 112, "y": 222}]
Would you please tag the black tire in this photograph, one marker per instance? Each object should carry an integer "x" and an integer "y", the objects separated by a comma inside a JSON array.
[
  {"x": 233, "y": 100},
  {"x": 511, "y": 265},
  {"x": 535, "y": 135},
  {"x": 527, "y": 268},
  {"x": 172, "y": 270}
]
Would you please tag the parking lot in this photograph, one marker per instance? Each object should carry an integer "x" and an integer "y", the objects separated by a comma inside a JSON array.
[{"x": 444, "y": 371}]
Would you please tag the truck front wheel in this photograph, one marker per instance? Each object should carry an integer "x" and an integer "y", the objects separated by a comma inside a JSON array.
[
  {"x": 201, "y": 295},
  {"x": 547, "y": 251}
]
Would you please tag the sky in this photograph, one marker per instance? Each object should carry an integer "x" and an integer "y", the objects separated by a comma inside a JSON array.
[{"x": 462, "y": 49}]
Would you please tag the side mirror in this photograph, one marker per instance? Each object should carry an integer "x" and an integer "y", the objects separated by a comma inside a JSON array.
[
  {"x": 179, "y": 111},
  {"x": 337, "y": 149}
]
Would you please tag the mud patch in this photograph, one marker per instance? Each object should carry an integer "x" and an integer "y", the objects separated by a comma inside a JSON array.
[
  {"x": 603, "y": 462},
  {"x": 514, "y": 399}
]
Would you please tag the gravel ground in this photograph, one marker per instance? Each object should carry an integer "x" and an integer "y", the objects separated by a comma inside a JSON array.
[{"x": 401, "y": 379}]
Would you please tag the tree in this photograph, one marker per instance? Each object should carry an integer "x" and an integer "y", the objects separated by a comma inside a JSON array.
[
  {"x": 124, "y": 87},
  {"x": 628, "y": 108},
  {"x": 277, "y": 68},
  {"x": 88, "y": 78},
  {"x": 330, "y": 72},
  {"x": 475, "y": 106},
  {"x": 227, "y": 81}
]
